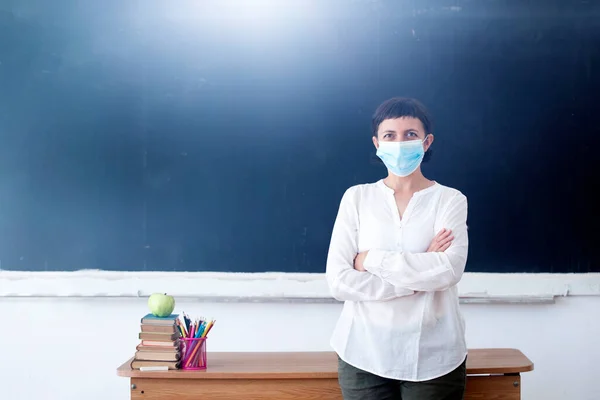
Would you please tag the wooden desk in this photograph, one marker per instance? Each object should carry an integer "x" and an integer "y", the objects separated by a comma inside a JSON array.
[{"x": 494, "y": 374}]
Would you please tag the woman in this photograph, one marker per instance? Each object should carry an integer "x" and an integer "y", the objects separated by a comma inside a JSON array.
[{"x": 398, "y": 249}]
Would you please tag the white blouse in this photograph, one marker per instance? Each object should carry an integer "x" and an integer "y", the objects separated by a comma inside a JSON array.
[{"x": 401, "y": 319}]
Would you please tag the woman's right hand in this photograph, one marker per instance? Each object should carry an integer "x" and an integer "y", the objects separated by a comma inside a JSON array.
[{"x": 441, "y": 241}]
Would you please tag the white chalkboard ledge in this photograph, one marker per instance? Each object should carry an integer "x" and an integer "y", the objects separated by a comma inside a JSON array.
[{"x": 276, "y": 287}]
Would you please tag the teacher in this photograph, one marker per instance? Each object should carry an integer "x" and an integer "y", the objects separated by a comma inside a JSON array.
[{"x": 398, "y": 249}]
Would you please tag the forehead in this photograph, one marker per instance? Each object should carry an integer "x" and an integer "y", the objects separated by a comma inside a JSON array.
[{"x": 401, "y": 124}]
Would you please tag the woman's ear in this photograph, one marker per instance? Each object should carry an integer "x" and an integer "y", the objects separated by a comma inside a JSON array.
[
  {"x": 428, "y": 141},
  {"x": 375, "y": 142}
]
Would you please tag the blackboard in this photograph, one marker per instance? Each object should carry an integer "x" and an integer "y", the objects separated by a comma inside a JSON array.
[{"x": 220, "y": 136}]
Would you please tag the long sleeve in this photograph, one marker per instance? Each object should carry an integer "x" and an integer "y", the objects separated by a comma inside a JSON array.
[
  {"x": 345, "y": 283},
  {"x": 432, "y": 271}
]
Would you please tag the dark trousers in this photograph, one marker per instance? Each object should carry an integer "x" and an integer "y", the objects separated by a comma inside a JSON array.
[{"x": 357, "y": 384}]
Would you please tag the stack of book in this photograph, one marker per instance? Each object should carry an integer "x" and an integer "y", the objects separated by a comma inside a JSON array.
[{"x": 160, "y": 345}]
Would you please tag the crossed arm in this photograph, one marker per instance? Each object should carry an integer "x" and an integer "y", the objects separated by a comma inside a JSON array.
[{"x": 379, "y": 275}]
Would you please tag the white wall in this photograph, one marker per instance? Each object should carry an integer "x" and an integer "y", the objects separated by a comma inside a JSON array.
[{"x": 69, "y": 349}]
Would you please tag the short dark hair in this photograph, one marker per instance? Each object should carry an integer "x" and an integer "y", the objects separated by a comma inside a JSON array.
[{"x": 398, "y": 107}]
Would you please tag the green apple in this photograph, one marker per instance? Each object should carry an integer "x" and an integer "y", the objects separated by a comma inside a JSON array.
[{"x": 161, "y": 304}]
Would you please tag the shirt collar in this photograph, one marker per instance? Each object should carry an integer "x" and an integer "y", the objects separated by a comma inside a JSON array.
[{"x": 388, "y": 189}]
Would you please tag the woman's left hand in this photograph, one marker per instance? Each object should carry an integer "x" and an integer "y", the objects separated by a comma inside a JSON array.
[{"x": 359, "y": 260}]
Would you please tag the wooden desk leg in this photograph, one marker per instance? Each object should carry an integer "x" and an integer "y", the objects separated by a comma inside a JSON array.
[
  {"x": 234, "y": 389},
  {"x": 494, "y": 387}
]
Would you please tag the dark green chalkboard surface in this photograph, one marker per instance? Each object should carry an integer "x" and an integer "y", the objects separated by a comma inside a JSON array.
[{"x": 221, "y": 135}]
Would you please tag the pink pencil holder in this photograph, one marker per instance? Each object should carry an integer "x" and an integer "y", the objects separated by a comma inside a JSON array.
[{"x": 193, "y": 354}]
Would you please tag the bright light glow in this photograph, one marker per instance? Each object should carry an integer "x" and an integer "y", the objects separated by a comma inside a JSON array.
[{"x": 262, "y": 10}]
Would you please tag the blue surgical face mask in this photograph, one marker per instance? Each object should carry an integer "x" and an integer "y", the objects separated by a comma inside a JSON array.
[{"x": 402, "y": 158}]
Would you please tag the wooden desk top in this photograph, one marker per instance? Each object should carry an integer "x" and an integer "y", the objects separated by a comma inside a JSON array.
[{"x": 315, "y": 365}]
